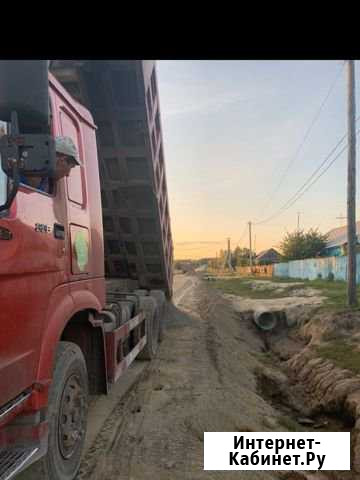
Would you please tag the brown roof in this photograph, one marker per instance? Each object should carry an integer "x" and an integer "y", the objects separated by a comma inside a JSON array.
[{"x": 266, "y": 252}]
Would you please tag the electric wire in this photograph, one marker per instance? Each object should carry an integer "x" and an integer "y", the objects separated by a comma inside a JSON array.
[
  {"x": 302, "y": 190},
  {"x": 307, "y": 133},
  {"x": 283, "y": 207},
  {"x": 242, "y": 236}
]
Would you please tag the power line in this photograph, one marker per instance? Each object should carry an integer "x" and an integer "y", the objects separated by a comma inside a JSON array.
[
  {"x": 283, "y": 207},
  {"x": 201, "y": 247},
  {"x": 300, "y": 192},
  {"x": 200, "y": 242},
  {"x": 307, "y": 133},
  {"x": 242, "y": 235},
  {"x": 320, "y": 175}
]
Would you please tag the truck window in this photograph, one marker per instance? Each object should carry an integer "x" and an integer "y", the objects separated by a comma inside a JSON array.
[
  {"x": 3, "y": 177},
  {"x": 46, "y": 186},
  {"x": 75, "y": 182},
  {"x": 3, "y": 185}
]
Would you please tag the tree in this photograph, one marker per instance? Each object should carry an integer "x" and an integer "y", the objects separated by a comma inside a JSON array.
[
  {"x": 300, "y": 244},
  {"x": 241, "y": 256}
]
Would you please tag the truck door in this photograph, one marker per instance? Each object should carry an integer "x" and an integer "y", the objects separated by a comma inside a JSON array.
[
  {"x": 78, "y": 216},
  {"x": 32, "y": 265}
]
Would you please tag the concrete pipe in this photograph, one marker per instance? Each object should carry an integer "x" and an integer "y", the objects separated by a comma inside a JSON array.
[{"x": 265, "y": 319}]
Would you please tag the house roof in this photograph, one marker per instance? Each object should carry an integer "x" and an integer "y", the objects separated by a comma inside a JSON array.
[
  {"x": 338, "y": 236},
  {"x": 266, "y": 252}
]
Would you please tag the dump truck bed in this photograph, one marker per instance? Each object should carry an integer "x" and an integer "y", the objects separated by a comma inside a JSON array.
[{"x": 123, "y": 99}]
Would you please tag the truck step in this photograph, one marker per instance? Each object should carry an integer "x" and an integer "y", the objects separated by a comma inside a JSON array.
[
  {"x": 9, "y": 407},
  {"x": 13, "y": 460}
]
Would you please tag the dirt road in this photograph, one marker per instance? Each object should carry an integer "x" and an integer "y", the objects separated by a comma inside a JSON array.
[
  {"x": 205, "y": 378},
  {"x": 202, "y": 380}
]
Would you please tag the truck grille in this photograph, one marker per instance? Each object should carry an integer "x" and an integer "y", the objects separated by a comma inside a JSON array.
[{"x": 13, "y": 460}]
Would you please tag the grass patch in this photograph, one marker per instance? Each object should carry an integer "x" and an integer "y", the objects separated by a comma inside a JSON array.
[
  {"x": 266, "y": 358},
  {"x": 335, "y": 292},
  {"x": 280, "y": 279},
  {"x": 342, "y": 354},
  {"x": 242, "y": 288}
]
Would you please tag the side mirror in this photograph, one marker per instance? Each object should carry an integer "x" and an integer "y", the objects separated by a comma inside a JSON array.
[{"x": 33, "y": 155}]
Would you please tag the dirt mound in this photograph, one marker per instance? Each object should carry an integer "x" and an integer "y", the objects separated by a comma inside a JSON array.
[
  {"x": 320, "y": 358},
  {"x": 327, "y": 326},
  {"x": 269, "y": 285},
  {"x": 293, "y": 306},
  {"x": 296, "y": 302}
]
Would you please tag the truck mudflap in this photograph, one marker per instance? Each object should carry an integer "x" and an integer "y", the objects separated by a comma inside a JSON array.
[{"x": 123, "y": 345}]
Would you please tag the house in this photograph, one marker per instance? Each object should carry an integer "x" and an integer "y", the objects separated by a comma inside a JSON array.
[
  {"x": 268, "y": 256},
  {"x": 337, "y": 241}
]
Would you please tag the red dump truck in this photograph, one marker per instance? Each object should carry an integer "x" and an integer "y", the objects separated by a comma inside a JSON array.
[{"x": 86, "y": 266}]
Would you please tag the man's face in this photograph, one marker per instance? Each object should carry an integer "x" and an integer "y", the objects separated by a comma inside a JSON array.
[{"x": 64, "y": 164}]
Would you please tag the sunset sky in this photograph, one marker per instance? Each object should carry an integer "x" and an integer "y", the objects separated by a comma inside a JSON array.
[{"x": 240, "y": 138}]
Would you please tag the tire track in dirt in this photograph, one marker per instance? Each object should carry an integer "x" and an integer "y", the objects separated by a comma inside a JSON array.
[
  {"x": 207, "y": 306},
  {"x": 164, "y": 452},
  {"x": 93, "y": 464},
  {"x": 184, "y": 290},
  {"x": 199, "y": 382}
]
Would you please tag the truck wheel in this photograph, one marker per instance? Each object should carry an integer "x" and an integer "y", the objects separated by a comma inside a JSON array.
[
  {"x": 160, "y": 298},
  {"x": 67, "y": 413},
  {"x": 141, "y": 292},
  {"x": 152, "y": 325}
]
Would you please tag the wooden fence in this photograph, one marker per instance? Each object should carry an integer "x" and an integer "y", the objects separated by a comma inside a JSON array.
[{"x": 260, "y": 270}]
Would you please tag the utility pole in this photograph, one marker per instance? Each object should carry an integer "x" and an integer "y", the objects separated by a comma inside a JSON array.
[
  {"x": 351, "y": 188},
  {"x": 298, "y": 221},
  {"x": 250, "y": 244},
  {"x": 228, "y": 257}
]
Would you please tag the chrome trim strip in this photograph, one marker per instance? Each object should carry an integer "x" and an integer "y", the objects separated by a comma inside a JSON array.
[{"x": 14, "y": 405}]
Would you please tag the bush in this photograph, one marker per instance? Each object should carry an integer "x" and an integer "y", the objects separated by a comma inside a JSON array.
[
  {"x": 331, "y": 277},
  {"x": 300, "y": 244}
]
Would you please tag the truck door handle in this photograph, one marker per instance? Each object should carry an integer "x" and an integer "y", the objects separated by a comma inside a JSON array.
[{"x": 59, "y": 231}]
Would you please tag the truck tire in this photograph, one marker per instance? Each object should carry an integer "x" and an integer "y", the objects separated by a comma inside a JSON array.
[
  {"x": 152, "y": 326},
  {"x": 141, "y": 292},
  {"x": 67, "y": 413},
  {"x": 160, "y": 298}
]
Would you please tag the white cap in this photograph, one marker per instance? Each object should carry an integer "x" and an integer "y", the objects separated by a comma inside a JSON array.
[{"x": 67, "y": 147}]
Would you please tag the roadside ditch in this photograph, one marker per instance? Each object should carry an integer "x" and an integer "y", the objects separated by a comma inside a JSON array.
[{"x": 309, "y": 368}]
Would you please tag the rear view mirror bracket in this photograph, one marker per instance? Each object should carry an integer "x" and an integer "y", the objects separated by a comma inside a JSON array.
[
  {"x": 34, "y": 154},
  {"x": 31, "y": 155}
]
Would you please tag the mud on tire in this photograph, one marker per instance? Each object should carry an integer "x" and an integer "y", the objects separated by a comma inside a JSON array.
[
  {"x": 67, "y": 414},
  {"x": 161, "y": 301},
  {"x": 152, "y": 327}
]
